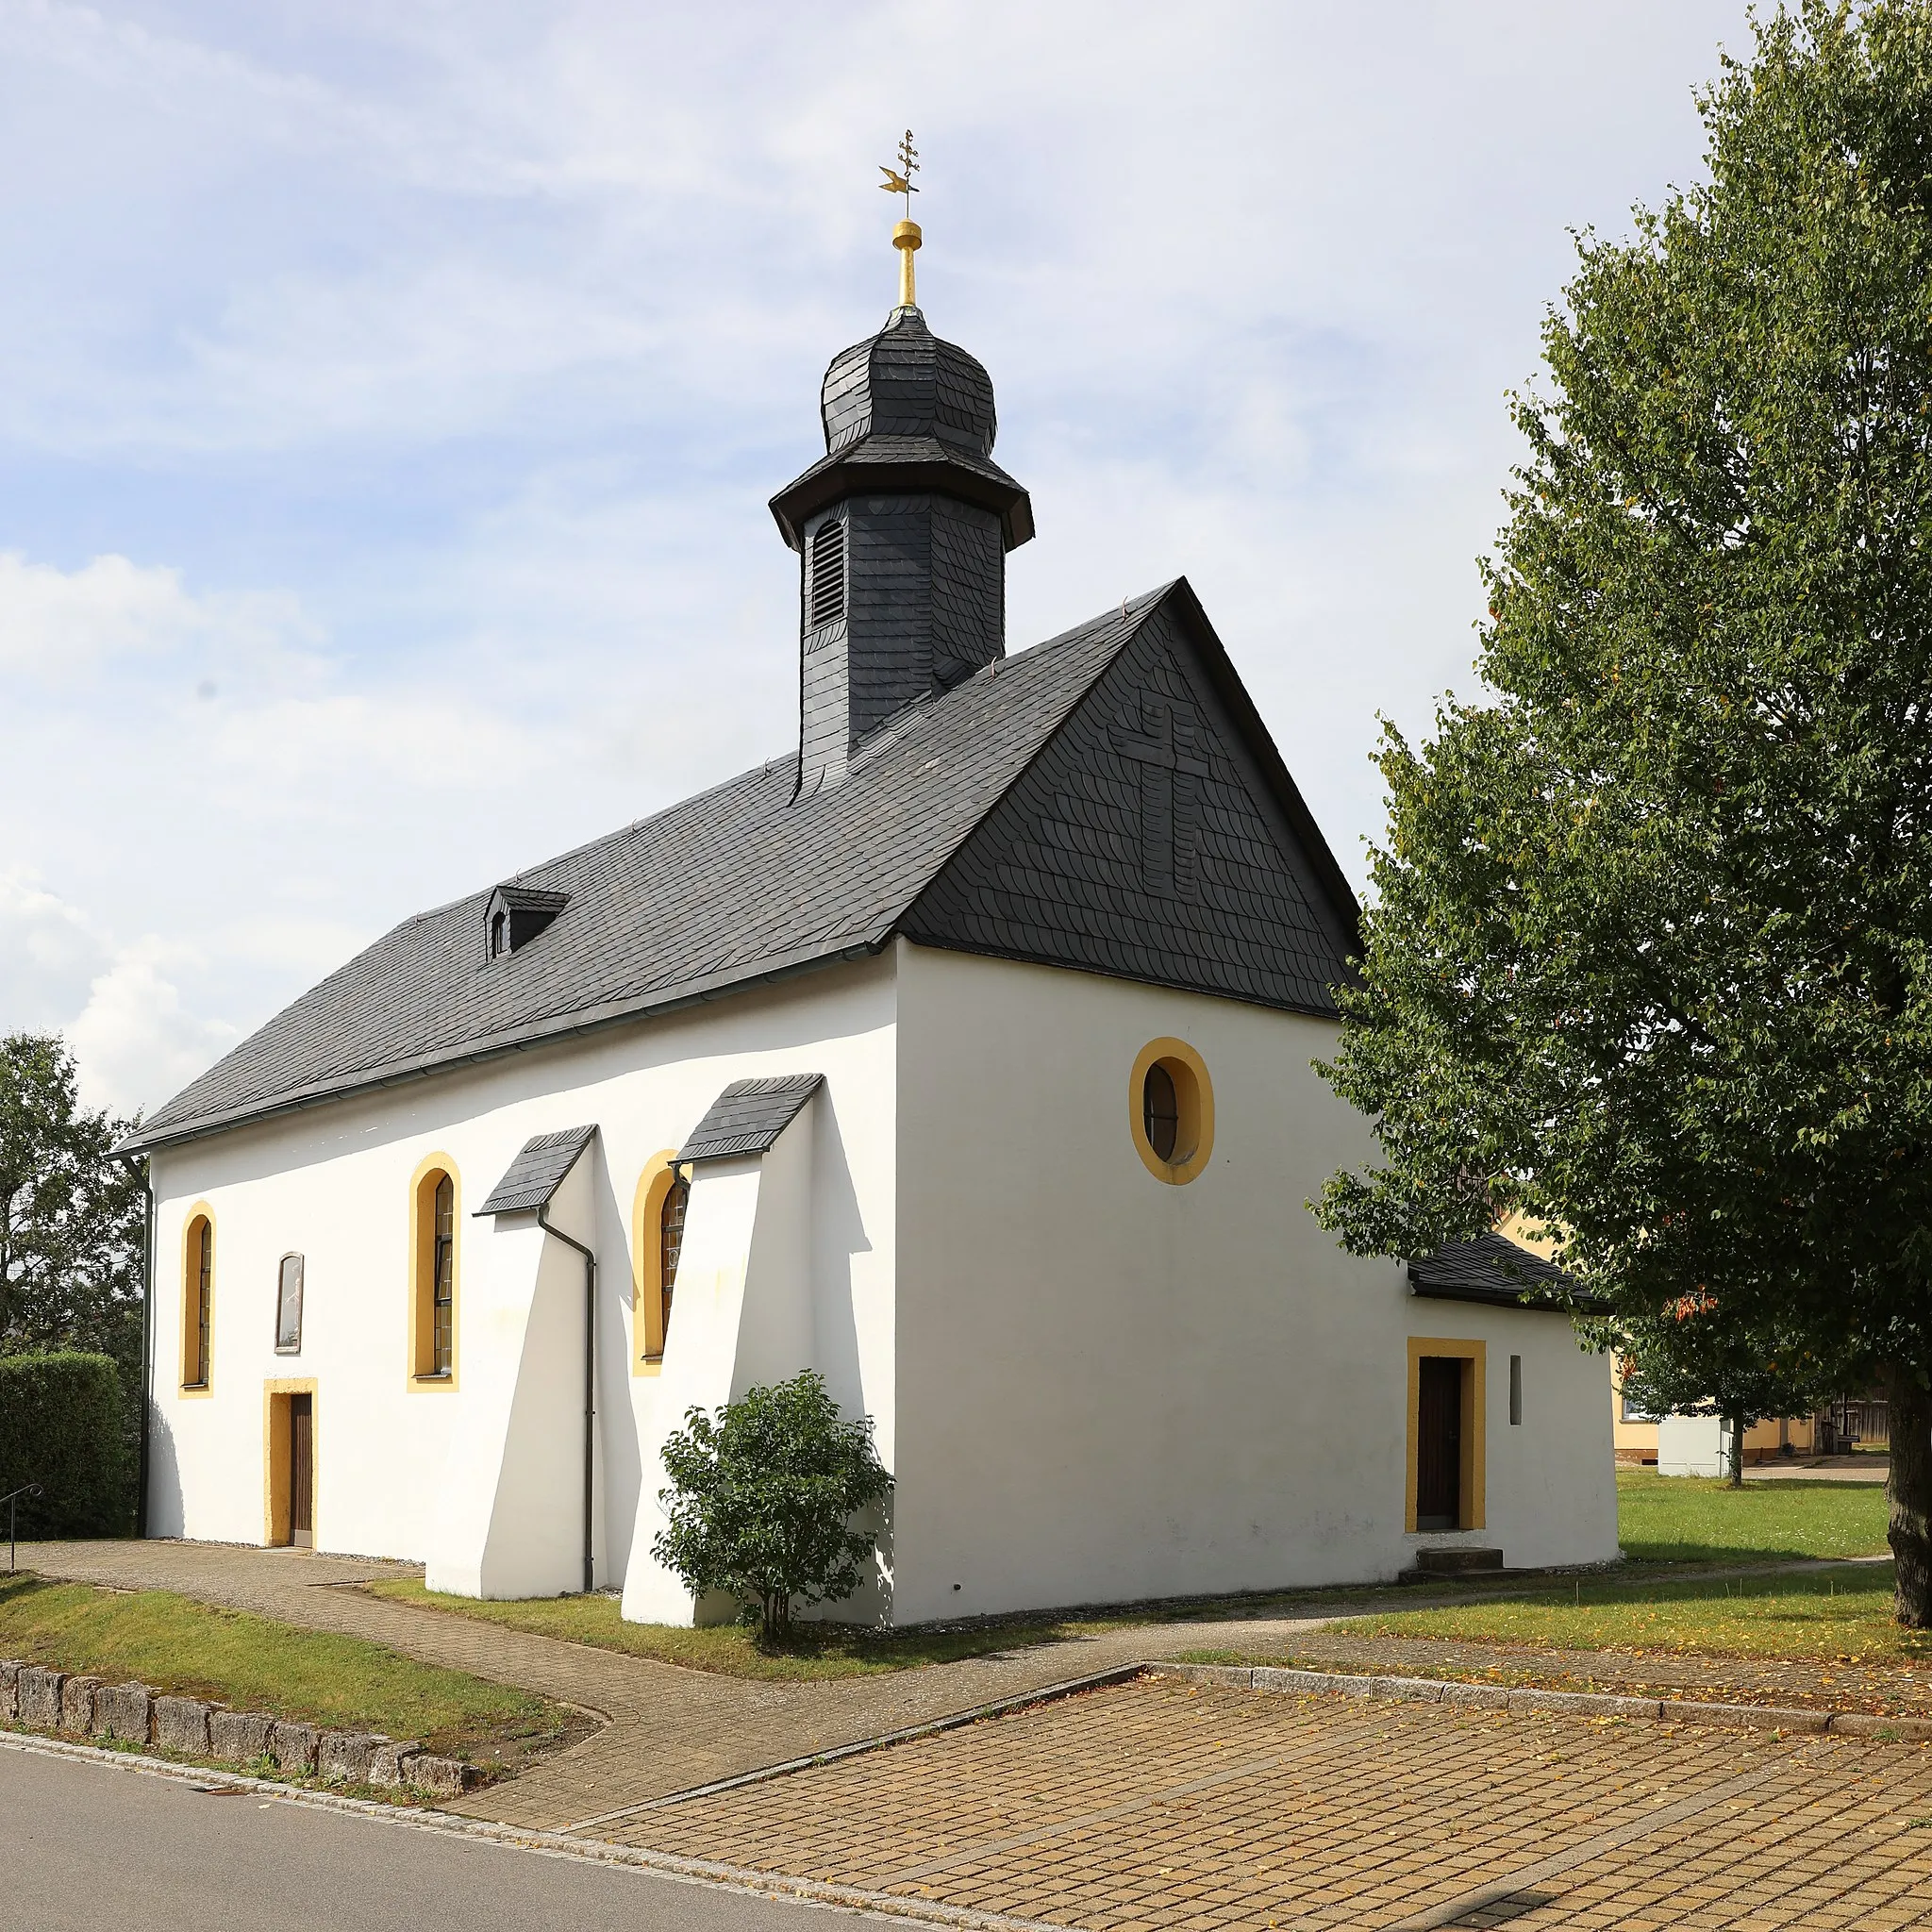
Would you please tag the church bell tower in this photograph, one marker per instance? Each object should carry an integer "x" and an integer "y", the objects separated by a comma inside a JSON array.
[{"x": 901, "y": 528}]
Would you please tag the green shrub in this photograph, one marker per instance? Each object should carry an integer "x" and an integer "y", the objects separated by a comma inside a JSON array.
[
  {"x": 763, "y": 1498},
  {"x": 60, "y": 1427}
]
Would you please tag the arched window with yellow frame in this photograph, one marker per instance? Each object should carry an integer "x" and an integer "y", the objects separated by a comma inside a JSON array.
[
  {"x": 435, "y": 1271},
  {"x": 198, "y": 1301},
  {"x": 657, "y": 1243}
]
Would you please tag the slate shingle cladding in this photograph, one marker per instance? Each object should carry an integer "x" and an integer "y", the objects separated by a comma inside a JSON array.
[
  {"x": 1142, "y": 843},
  {"x": 741, "y": 883},
  {"x": 537, "y": 1172},
  {"x": 749, "y": 1116},
  {"x": 1496, "y": 1270}
]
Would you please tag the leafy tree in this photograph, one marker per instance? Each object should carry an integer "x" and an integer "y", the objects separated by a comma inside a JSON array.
[
  {"x": 763, "y": 1498},
  {"x": 72, "y": 1220},
  {"x": 1696, "y": 1360},
  {"x": 1651, "y": 956}
]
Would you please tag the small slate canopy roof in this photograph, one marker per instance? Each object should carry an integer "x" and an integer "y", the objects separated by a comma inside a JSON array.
[
  {"x": 1495, "y": 1270},
  {"x": 537, "y": 1172},
  {"x": 749, "y": 1116}
]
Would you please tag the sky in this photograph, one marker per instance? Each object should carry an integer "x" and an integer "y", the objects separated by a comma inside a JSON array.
[{"x": 390, "y": 398}]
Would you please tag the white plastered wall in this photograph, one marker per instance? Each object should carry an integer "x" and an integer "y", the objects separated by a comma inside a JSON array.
[
  {"x": 1111, "y": 1387},
  {"x": 515, "y": 1462},
  {"x": 333, "y": 1182},
  {"x": 743, "y": 1314}
]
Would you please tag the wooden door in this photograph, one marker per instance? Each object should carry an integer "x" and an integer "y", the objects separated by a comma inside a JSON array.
[
  {"x": 302, "y": 1471},
  {"x": 1439, "y": 1443}
]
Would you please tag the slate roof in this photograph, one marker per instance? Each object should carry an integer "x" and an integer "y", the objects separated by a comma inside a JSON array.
[
  {"x": 1495, "y": 1270},
  {"x": 749, "y": 1116},
  {"x": 537, "y": 1172},
  {"x": 915, "y": 412},
  {"x": 742, "y": 884}
]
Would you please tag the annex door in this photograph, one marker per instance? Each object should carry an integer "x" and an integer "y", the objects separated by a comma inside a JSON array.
[
  {"x": 302, "y": 1471},
  {"x": 1439, "y": 1443}
]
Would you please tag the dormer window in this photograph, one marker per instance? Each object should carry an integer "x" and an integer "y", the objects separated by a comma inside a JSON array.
[
  {"x": 826, "y": 590},
  {"x": 517, "y": 915}
]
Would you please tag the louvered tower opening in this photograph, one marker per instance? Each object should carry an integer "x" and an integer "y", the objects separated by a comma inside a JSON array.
[{"x": 827, "y": 589}]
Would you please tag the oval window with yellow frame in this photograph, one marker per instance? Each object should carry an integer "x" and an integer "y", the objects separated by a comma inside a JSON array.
[{"x": 1171, "y": 1110}]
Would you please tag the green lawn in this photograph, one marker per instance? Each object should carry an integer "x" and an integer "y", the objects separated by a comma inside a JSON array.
[
  {"x": 1841, "y": 1615},
  {"x": 251, "y": 1663},
  {"x": 815, "y": 1650},
  {"x": 1664, "y": 1522},
  {"x": 1679, "y": 1519},
  {"x": 1670, "y": 1522}
]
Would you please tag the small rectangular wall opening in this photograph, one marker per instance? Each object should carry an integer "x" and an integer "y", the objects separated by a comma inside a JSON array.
[{"x": 1515, "y": 1391}]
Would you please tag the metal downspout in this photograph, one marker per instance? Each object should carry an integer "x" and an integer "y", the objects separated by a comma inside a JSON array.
[
  {"x": 589, "y": 1389},
  {"x": 140, "y": 1163}
]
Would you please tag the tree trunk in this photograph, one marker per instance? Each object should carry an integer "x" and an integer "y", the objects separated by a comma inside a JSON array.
[
  {"x": 1909, "y": 1488},
  {"x": 1737, "y": 1422}
]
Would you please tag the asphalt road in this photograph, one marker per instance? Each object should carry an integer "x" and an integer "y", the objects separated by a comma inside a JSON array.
[{"x": 86, "y": 1845}]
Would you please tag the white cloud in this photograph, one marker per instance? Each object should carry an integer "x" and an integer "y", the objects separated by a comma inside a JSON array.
[
  {"x": 62, "y": 627},
  {"x": 415, "y": 377},
  {"x": 134, "y": 1041}
]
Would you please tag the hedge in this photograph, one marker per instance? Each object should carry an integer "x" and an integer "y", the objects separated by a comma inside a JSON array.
[{"x": 60, "y": 1427}]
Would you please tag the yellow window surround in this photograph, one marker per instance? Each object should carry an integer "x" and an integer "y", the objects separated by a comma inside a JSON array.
[
  {"x": 423, "y": 1376},
  {"x": 647, "y": 1257},
  {"x": 197, "y": 1358},
  {"x": 1195, "y": 1098}
]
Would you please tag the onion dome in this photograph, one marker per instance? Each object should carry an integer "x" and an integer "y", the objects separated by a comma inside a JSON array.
[{"x": 906, "y": 413}]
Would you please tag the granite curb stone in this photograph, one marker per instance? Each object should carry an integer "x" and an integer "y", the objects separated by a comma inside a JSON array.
[
  {"x": 181, "y": 1725},
  {"x": 125, "y": 1711},
  {"x": 389, "y": 1764},
  {"x": 1864, "y": 1724},
  {"x": 78, "y": 1705},
  {"x": 347, "y": 1754},
  {"x": 1767, "y": 1717},
  {"x": 239, "y": 1736},
  {"x": 293, "y": 1746},
  {"x": 133, "y": 1714},
  {"x": 39, "y": 1696},
  {"x": 1744, "y": 1716}
]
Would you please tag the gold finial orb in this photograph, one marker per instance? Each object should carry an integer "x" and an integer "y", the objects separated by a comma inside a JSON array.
[{"x": 905, "y": 236}]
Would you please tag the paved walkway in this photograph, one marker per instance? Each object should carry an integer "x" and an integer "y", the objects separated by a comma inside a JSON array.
[
  {"x": 669, "y": 1729},
  {"x": 1158, "y": 1805}
]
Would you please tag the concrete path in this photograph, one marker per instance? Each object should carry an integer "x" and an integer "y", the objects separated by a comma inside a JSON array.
[
  {"x": 238, "y": 1863},
  {"x": 1831, "y": 1469},
  {"x": 669, "y": 1728}
]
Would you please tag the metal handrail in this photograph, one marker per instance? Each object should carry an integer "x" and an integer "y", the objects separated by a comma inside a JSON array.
[{"x": 13, "y": 1501}]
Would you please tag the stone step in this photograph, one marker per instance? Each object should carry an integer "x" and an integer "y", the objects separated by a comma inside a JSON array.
[{"x": 1456, "y": 1560}]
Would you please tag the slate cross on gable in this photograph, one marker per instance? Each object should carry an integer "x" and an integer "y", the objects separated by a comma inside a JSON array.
[{"x": 1163, "y": 745}]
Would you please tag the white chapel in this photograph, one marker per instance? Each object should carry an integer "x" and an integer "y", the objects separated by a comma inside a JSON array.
[{"x": 961, "y": 1052}]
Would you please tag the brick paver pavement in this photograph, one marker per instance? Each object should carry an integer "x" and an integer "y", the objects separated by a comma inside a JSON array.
[
  {"x": 1159, "y": 1803},
  {"x": 669, "y": 1729}
]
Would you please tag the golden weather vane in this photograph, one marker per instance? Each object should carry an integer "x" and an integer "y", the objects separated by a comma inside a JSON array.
[{"x": 905, "y": 236}]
